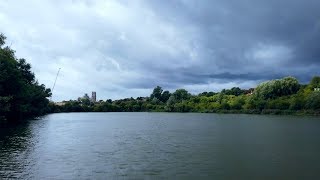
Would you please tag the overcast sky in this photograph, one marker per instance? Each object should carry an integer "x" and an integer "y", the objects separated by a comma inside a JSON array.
[{"x": 124, "y": 48}]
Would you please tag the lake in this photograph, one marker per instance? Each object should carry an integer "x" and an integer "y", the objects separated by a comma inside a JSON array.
[{"x": 162, "y": 146}]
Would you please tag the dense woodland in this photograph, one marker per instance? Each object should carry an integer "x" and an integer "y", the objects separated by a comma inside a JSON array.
[{"x": 22, "y": 97}]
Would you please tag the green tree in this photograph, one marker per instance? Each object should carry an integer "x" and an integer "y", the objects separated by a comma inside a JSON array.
[
  {"x": 165, "y": 96},
  {"x": 157, "y": 91},
  {"x": 277, "y": 88},
  {"x": 21, "y": 96},
  {"x": 237, "y": 103},
  {"x": 315, "y": 82},
  {"x": 170, "y": 103},
  {"x": 181, "y": 94},
  {"x": 233, "y": 91},
  {"x": 297, "y": 102},
  {"x": 313, "y": 101}
]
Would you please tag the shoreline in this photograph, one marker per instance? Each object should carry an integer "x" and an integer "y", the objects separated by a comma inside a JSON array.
[{"x": 253, "y": 112}]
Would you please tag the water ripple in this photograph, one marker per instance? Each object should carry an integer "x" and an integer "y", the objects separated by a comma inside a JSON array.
[{"x": 161, "y": 146}]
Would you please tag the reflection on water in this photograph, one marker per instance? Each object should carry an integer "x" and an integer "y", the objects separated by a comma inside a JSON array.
[
  {"x": 16, "y": 145},
  {"x": 161, "y": 145}
]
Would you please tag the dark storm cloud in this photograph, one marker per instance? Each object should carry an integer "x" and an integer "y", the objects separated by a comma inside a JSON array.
[
  {"x": 230, "y": 29},
  {"x": 125, "y": 48}
]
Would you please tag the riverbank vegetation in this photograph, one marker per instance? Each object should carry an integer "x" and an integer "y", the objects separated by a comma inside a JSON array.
[
  {"x": 21, "y": 96},
  {"x": 280, "y": 96}
]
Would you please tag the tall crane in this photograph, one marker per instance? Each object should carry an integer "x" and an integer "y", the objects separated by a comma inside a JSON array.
[{"x": 54, "y": 84}]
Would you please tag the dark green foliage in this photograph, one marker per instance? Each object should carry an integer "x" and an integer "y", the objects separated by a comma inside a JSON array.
[
  {"x": 165, "y": 96},
  {"x": 157, "y": 91},
  {"x": 237, "y": 103},
  {"x": 158, "y": 95},
  {"x": 313, "y": 101},
  {"x": 170, "y": 103},
  {"x": 2, "y": 40},
  {"x": 5, "y": 104},
  {"x": 233, "y": 91},
  {"x": 315, "y": 82},
  {"x": 21, "y": 96},
  {"x": 279, "y": 103},
  {"x": 296, "y": 102},
  {"x": 225, "y": 105},
  {"x": 182, "y": 107},
  {"x": 207, "y": 94},
  {"x": 181, "y": 94}
]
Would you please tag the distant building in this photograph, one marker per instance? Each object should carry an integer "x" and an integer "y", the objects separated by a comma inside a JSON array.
[
  {"x": 94, "y": 97},
  {"x": 316, "y": 89}
]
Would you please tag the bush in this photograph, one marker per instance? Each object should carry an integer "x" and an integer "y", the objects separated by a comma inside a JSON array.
[{"x": 313, "y": 101}]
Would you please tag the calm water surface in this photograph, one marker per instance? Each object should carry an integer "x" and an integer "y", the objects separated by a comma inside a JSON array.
[{"x": 162, "y": 146}]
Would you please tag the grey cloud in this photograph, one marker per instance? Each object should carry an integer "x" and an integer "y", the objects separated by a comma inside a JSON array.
[
  {"x": 125, "y": 48},
  {"x": 230, "y": 28}
]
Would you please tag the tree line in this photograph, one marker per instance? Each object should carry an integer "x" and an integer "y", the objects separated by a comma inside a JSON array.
[{"x": 280, "y": 96}]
